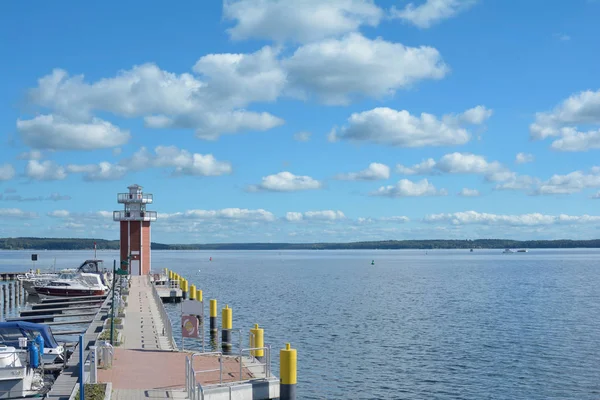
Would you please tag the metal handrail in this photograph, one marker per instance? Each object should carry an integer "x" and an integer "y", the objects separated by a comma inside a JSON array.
[
  {"x": 266, "y": 364},
  {"x": 167, "y": 328},
  {"x": 190, "y": 373}
]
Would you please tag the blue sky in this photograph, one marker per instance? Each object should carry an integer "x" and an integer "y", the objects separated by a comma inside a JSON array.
[{"x": 300, "y": 121}]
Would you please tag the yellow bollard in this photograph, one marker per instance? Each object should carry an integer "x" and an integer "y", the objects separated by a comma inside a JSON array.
[
  {"x": 38, "y": 271},
  {"x": 288, "y": 373},
  {"x": 213, "y": 317},
  {"x": 226, "y": 326},
  {"x": 185, "y": 289},
  {"x": 193, "y": 292},
  {"x": 257, "y": 339},
  {"x": 199, "y": 295}
]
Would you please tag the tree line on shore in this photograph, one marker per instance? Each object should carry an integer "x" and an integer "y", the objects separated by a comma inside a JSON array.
[{"x": 31, "y": 243}]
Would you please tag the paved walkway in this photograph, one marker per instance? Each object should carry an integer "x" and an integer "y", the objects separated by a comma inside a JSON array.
[{"x": 145, "y": 366}]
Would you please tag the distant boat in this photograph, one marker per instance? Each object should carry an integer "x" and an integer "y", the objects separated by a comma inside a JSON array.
[
  {"x": 471, "y": 250},
  {"x": 522, "y": 251},
  {"x": 508, "y": 251}
]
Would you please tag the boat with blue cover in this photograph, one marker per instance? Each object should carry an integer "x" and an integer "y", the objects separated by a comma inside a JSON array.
[{"x": 10, "y": 332}]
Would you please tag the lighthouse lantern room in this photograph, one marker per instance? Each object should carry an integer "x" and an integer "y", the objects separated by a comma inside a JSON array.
[{"x": 135, "y": 230}]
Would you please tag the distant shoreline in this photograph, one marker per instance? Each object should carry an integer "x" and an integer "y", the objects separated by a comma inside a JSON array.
[{"x": 31, "y": 243}]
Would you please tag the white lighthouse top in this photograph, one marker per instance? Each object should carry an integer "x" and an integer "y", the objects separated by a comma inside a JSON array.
[
  {"x": 135, "y": 189},
  {"x": 134, "y": 205}
]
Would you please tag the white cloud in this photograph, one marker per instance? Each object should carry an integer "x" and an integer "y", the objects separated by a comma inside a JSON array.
[
  {"x": 573, "y": 140},
  {"x": 407, "y": 188},
  {"x": 17, "y": 213},
  {"x": 523, "y": 158},
  {"x": 307, "y": 20},
  {"x": 562, "y": 37},
  {"x": 286, "y": 182},
  {"x": 336, "y": 70},
  {"x": 211, "y": 106},
  {"x": 241, "y": 214},
  {"x": 459, "y": 163},
  {"x": 88, "y": 216},
  {"x": 45, "y": 171},
  {"x": 596, "y": 195},
  {"x": 30, "y": 155},
  {"x": 7, "y": 172},
  {"x": 534, "y": 219},
  {"x": 398, "y": 219},
  {"x": 430, "y": 12},
  {"x": 399, "y": 128},
  {"x": 56, "y": 133},
  {"x": 580, "y": 108},
  {"x": 375, "y": 171},
  {"x": 302, "y": 136},
  {"x": 465, "y": 192},
  {"x": 518, "y": 182},
  {"x": 573, "y": 182},
  {"x": 324, "y": 215},
  {"x": 103, "y": 171},
  {"x": 182, "y": 161}
]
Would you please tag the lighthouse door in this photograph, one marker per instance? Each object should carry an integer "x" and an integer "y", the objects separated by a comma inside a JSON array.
[{"x": 135, "y": 267}]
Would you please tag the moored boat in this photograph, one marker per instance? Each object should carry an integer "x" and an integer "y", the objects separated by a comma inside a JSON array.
[
  {"x": 71, "y": 285},
  {"x": 10, "y": 332}
]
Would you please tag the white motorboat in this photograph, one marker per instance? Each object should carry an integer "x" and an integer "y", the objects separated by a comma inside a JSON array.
[
  {"x": 508, "y": 251},
  {"x": 11, "y": 332},
  {"x": 72, "y": 285},
  {"x": 20, "y": 373}
]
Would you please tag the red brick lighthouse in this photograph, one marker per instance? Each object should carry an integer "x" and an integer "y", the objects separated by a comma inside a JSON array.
[{"x": 135, "y": 230}]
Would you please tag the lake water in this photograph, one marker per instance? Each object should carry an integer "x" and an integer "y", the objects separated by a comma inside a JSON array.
[{"x": 416, "y": 325}]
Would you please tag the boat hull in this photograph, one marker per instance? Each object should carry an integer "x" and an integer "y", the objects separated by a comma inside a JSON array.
[{"x": 54, "y": 292}]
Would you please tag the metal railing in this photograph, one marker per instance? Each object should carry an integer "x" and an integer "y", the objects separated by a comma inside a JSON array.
[
  {"x": 134, "y": 198},
  {"x": 134, "y": 216},
  {"x": 167, "y": 327},
  {"x": 190, "y": 376},
  {"x": 195, "y": 390}
]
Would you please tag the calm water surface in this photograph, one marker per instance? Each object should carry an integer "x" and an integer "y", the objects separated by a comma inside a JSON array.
[{"x": 441, "y": 325}]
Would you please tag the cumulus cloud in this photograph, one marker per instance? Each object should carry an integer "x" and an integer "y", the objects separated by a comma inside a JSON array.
[
  {"x": 103, "y": 171},
  {"x": 286, "y": 182},
  {"x": 57, "y": 133},
  {"x": 399, "y": 128},
  {"x": 397, "y": 218},
  {"x": 211, "y": 104},
  {"x": 7, "y": 172},
  {"x": 459, "y": 163},
  {"x": 91, "y": 215},
  {"x": 518, "y": 182},
  {"x": 302, "y": 136},
  {"x": 407, "y": 188},
  {"x": 523, "y": 158},
  {"x": 375, "y": 171},
  {"x": 19, "y": 198},
  {"x": 336, "y": 70},
  {"x": 182, "y": 161},
  {"x": 474, "y": 217},
  {"x": 582, "y": 108},
  {"x": 242, "y": 214},
  {"x": 573, "y": 140},
  {"x": 325, "y": 215},
  {"x": 308, "y": 20},
  {"x": 30, "y": 155},
  {"x": 17, "y": 213},
  {"x": 465, "y": 192},
  {"x": 45, "y": 171},
  {"x": 573, "y": 182},
  {"x": 431, "y": 12}
]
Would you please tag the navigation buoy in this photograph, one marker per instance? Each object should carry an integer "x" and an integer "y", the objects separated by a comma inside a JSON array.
[
  {"x": 210, "y": 259},
  {"x": 373, "y": 262}
]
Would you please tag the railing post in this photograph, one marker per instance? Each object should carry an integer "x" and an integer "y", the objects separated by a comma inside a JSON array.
[
  {"x": 93, "y": 364},
  {"x": 81, "y": 370}
]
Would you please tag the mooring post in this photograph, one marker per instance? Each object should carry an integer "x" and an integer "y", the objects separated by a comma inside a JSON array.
[
  {"x": 226, "y": 326},
  {"x": 288, "y": 371}
]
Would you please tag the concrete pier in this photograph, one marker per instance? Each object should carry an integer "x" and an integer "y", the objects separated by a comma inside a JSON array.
[{"x": 148, "y": 364}]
